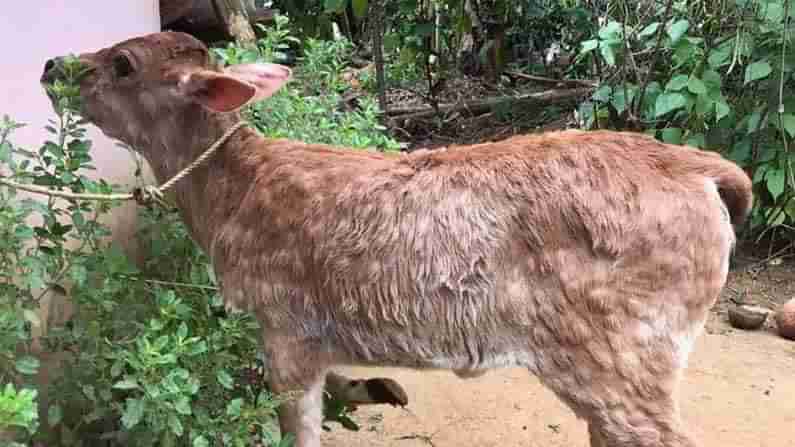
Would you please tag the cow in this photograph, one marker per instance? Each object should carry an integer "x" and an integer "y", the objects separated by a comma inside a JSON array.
[{"x": 590, "y": 258}]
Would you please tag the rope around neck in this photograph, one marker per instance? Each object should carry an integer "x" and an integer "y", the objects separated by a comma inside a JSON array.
[{"x": 144, "y": 195}]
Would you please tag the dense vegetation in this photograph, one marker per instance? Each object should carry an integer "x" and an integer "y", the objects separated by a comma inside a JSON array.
[{"x": 149, "y": 357}]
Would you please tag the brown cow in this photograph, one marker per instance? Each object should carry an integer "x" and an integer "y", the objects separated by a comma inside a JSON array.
[{"x": 590, "y": 258}]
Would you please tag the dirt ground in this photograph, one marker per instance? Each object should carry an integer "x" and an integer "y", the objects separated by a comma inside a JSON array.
[{"x": 738, "y": 391}]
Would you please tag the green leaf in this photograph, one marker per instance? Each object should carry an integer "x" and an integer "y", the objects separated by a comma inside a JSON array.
[
  {"x": 424, "y": 29},
  {"x": 759, "y": 174},
  {"x": 589, "y": 45},
  {"x": 234, "y": 408},
  {"x": 88, "y": 390},
  {"x": 649, "y": 29},
  {"x": 721, "y": 110},
  {"x": 721, "y": 55},
  {"x": 672, "y": 135},
  {"x": 32, "y": 317},
  {"x": 704, "y": 105},
  {"x": 678, "y": 29},
  {"x": 774, "y": 12},
  {"x": 610, "y": 31},
  {"x": 788, "y": 121},
  {"x": 676, "y": 83},
  {"x": 54, "y": 415},
  {"x": 753, "y": 121},
  {"x": 133, "y": 412},
  {"x": 225, "y": 379},
  {"x": 620, "y": 100},
  {"x": 603, "y": 93},
  {"x": 175, "y": 424},
  {"x": 757, "y": 70},
  {"x": 334, "y": 5},
  {"x": 712, "y": 80},
  {"x": 668, "y": 102},
  {"x": 201, "y": 441},
  {"x": 126, "y": 384},
  {"x": 182, "y": 405},
  {"x": 116, "y": 369},
  {"x": 359, "y": 8},
  {"x": 776, "y": 180},
  {"x": 27, "y": 365},
  {"x": 182, "y": 330},
  {"x": 606, "y": 49},
  {"x": 741, "y": 152},
  {"x": 696, "y": 86},
  {"x": 696, "y": 140}
]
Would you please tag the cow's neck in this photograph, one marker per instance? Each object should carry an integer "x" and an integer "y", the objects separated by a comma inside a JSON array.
[{"x": 206, "y": 195}]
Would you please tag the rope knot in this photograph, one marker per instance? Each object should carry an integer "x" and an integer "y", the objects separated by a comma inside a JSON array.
[{"x": 149, "y": 195}]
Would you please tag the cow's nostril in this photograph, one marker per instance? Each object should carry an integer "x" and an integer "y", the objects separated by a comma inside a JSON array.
[
  {"x": 49, "y": 65},
  {"x": 51, "y": 69}
]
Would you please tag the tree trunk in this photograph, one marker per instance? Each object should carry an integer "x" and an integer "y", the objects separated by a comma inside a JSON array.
[
  {"x": 377, "y": 29},
  {"x": 467, "y": 57},
  {"x": 171, "y": 10},
  {"x": 234, "y": 15},
  {"x": 202, "y": 21}
]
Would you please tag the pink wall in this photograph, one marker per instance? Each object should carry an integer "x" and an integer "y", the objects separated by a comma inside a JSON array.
[
  {"x": 33, "y": 31},
  {"x": 30, "y": 33}
]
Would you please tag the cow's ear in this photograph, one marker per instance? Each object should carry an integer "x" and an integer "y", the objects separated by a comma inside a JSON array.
[{"x": 237, "y": 86}]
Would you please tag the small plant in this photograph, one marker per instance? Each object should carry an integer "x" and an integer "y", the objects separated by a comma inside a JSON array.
[
  {"x": 717, "y": 76},
  {"x": 309, "y": 108},
  {"x": 18, "y": 411}
]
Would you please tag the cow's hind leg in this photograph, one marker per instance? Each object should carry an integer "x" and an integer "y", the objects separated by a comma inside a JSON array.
[
  {"x": 372, "y": 391},
  {"x": 297, "y": 374},
  {"x": 628, "y": 396}
]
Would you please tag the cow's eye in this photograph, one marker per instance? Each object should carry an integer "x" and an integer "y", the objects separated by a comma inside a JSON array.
[{"x": 122, "y": 66}]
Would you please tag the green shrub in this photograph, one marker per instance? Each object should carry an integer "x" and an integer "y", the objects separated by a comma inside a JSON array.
[
  {"x": 309, "y": 109},
  {"x": 18, "y": 411},
  {"x": 715, "y": 75}
]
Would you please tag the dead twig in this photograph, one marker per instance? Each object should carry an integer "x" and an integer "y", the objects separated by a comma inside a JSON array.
[
  {"x": 579, "y": 82},
  {"x": 549, "y": 97},
  {"x": 428, "y": 439}
]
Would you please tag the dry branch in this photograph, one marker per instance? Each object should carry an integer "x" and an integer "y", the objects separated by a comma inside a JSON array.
[
  {"x": 541, "y": 99},
  {"x": 579, "y": 82}
]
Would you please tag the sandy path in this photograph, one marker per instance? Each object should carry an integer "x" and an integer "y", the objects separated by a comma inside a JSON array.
[{"x": 739, "y": 391}]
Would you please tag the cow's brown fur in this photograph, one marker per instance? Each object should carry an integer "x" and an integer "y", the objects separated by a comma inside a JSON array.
[{"x": 591, "y": 258}]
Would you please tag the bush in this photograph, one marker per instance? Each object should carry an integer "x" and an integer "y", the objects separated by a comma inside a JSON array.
[
  {"x": 309, "y": 108},
  {"x": 18, "y": 411},
  {"x": 714, "y": 75}
]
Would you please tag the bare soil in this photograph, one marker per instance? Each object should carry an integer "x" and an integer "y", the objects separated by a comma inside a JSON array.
[{"x": 738, "y": 391}]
